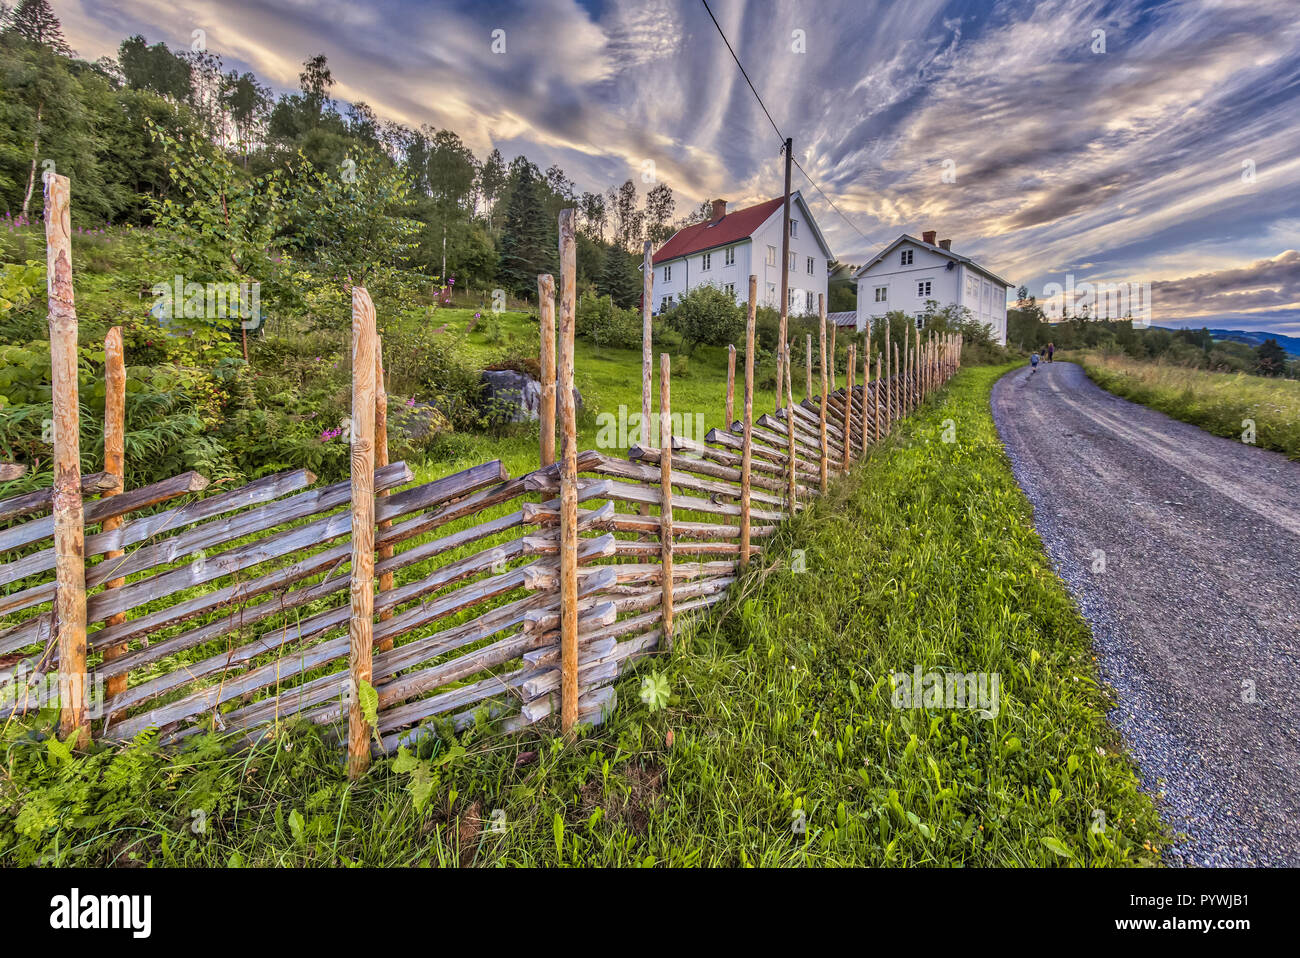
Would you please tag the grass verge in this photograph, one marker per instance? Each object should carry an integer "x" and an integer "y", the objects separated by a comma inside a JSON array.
[
  {"x": 1221, "y": 403},
  {"x": 779, "y": 745}
]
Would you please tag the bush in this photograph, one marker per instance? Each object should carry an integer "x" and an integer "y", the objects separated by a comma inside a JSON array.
[
  {"x": 707, "y": 316},
  {"x": 600, "y": 321}
]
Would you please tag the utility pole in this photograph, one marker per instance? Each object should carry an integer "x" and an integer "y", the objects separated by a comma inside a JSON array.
[{"x": 785, "y": 269}]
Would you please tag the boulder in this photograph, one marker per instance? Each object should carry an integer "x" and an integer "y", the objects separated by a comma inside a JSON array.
[
  {"x": 417, "y": 421},
  {"x": 512, "y": 396}
]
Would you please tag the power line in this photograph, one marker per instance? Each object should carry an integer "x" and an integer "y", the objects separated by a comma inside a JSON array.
[{"x": 779, "y": 135}]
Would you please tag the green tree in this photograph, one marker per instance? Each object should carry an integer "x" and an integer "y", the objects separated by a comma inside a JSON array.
[
  {"x": 1270, "y": 358},
  {"x": 620, "y": 278},
  {"x": 154, "y": 68},
  {"x": 34, "y": 21},
  {"x": 707, "y": 316},
  {"x": 526, "y": 246}
]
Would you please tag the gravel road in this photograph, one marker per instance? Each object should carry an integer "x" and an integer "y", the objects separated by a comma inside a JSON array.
[{"x": 1183, "y": 551}]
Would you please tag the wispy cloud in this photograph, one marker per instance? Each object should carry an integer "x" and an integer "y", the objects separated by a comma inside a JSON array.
[{"x": 1124, "y": 163}]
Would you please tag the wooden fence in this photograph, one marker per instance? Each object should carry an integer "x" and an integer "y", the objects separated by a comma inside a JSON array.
[{"x": 378, "y": 608}]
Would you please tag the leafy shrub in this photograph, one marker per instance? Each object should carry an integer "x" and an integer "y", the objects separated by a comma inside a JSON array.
[
  {"x": 707, "y": 316},
  {"x": 600, "y": 321}
]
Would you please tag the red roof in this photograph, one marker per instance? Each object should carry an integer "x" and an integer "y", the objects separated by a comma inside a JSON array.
[{"x": 730, "y": 229}]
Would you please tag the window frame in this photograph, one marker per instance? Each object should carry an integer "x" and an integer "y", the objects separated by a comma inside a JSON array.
[{"x": 905, "y": 259}]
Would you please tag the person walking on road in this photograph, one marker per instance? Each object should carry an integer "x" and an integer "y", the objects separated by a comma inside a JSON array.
[
  {"x": 1033, "y": 362},
  {"x": 1051, "y": 348}
]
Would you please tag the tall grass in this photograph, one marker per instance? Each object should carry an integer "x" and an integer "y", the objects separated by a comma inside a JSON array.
[
  {"x": 1220, "y": 403},
  {"x": 780, "y": 743}
]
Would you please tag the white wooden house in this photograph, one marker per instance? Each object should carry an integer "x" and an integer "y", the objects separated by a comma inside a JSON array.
[
  {"x": 725, "y": 249},
  {"x": 909, "y": 272}
]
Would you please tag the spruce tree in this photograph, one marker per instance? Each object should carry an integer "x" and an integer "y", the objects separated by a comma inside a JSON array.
[
  {"x": 34, "y": 20},
  {"x": 526, "y": 249}
]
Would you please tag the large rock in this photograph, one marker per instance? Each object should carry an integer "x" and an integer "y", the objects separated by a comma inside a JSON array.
[
  {"x": 418, "y": 421},
  {"x": 512, "y": 396}
]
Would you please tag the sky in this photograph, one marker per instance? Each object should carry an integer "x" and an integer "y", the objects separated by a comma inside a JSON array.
[{"x": 1066, "y": 141}]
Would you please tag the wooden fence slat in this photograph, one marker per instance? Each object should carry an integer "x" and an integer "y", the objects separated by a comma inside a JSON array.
[
  {"x": 569, "y": 479},
  {"x": 362, "y": 582},
  {"x": 98, "y": 510},
  {"x": 39, "y": 500}
]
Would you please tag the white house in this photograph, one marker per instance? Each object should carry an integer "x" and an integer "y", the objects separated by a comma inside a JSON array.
[
  {"x": 910, "y": 271},
  {"x": 725, "y": 249}
]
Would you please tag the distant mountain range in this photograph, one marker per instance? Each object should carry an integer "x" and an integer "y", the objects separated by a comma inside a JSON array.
[{"x": 1254, "y": 338}]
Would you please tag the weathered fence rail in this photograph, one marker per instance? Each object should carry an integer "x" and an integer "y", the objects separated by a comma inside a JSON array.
[{"x": 477, "y": 595}]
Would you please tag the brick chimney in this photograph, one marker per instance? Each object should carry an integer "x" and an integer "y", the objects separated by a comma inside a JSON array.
[
  {"x": 928, "y": 236},
  {"x": 719, "y": 210},
  {"x": 946, "y": 244}
]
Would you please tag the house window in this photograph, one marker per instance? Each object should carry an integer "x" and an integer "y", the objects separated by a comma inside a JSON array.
[
  {"x": 920, "y": 321},
  {"x": 771, "y": 294},
  {"x": 905, "y": 258},
  {"x": 882, "y": 294},
  {"x": 794, "y": 228},
  {"x": 668, "y": 274},
  {"x": 730, "y": 289},
  {"x": 665, "y": 303},
  {"x": 771, "y": 256},
  {"x": 706, "y": 261},
  {"x": 729, "y": 256},
  {"x": 923, "y": 288},
  {"x": 810, "y": 265}
]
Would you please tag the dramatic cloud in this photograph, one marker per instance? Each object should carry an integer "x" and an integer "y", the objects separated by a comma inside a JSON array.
[{"x": 1111, "y": 140}]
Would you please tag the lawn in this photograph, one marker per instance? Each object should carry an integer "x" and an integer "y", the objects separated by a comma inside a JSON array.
[
  {"x": 1222, "y": 403},
  {"x": 780, "y": 743}
]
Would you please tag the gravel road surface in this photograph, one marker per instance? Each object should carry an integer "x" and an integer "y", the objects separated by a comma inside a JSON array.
[{"x": 1183, "y": 551}]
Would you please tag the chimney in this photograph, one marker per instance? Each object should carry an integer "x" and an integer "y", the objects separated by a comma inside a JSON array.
[
  {"x": 946, "y": 244},
  {"x": 719, "y": 210},
  {"x": 929, "y": 235}
]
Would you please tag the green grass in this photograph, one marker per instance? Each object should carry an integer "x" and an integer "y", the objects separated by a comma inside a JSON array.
[
  {"x": 1217, "y": 402},
  {"x": 780, "y": 710}
]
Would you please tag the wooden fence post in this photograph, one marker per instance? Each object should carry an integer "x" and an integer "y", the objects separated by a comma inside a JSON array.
[
  {"x": 69, "y": 517},
  {"x": 834, "y": 383},
  {"x": 731, "y": 385},
  {"x": 826, "y": 396},
  {"x": 568, "y": 481},
  {"x": 789, "y": 427},
  {"x": 879, "y": 382},
  {"x": 896, "y": 390},
  {"x": 647, "y": 345},
  {"x": 848, "y": 409},
  {"x": 889, "y": 385},
  {"x": 666, "y": 498},
  {"x": 807, "y": 389},
  {"x": 866, "y": 395},
  {"x": 381, "y": 460},
  {"x": 747, "y": 444},
  {"x": 114, "y": 465},
  {"x": 362, "y": 586},
  {"x": 546, "y": 410}
]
